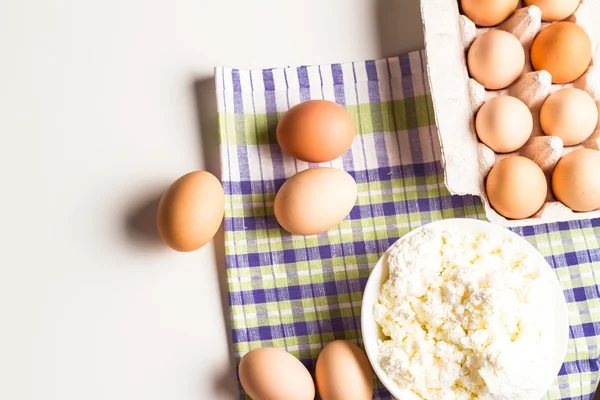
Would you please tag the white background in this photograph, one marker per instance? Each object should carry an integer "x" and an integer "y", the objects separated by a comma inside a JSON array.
[{"x": 102, "y": 104}]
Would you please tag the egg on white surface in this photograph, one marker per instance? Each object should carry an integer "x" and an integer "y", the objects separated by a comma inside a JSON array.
[{"x": 190, "y": 211}]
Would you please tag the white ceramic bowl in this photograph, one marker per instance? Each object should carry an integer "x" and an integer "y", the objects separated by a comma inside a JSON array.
[{"x": 371, "y": 331}]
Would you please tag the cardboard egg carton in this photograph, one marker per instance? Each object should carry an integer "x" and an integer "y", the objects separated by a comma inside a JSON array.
[{"x": 457, "y": 98}]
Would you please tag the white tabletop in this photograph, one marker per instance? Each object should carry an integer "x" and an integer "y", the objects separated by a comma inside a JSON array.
[{"x": 102, "y": 105}]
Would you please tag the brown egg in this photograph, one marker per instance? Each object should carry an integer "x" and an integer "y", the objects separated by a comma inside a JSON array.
[
  {"x": 343, "y": 372},
  {"x": 504, "y": 124},
  {"x": 315, "y": 200},
  {"x": 190, "y": 211},
  {"x": 488, "y": 12},
  {"x": 571, "y": 114},
  {"x": 316, "y": 131},
  {"x": 516, "y": 187},
  {"x": 564, "y": 50},
  {"x": 274, "y": 374},
  {"x": 555, "y": 10},
  {"x": 576, "y": 180},
  {"x": 496, "y": 59}
]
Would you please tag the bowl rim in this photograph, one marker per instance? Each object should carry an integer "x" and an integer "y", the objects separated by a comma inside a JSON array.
[{"x": 377, "y": 278}]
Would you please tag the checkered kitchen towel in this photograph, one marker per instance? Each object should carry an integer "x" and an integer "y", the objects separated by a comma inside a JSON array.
[{"x": 299, "y": 293}]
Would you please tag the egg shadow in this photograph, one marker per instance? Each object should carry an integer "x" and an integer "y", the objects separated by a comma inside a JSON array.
[
  {"x": 400, "y": 26},
  {"x": 140, "y": 221},
  {"x": 204, "y": 91},
  {"x": 225, "y": 385}
]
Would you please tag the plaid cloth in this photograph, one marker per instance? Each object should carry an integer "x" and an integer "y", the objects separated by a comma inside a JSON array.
[{"x": 299, "y": 293}]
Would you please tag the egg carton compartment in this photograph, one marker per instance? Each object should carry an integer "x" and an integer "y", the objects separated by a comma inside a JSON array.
[{"x": 457, "y": 98}]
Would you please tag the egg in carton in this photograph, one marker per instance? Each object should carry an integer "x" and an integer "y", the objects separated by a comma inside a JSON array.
[{"x": 457, "y": 98}]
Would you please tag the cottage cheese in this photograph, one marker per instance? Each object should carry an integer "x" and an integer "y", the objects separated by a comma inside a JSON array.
[{"x": 463, "y": 318}]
